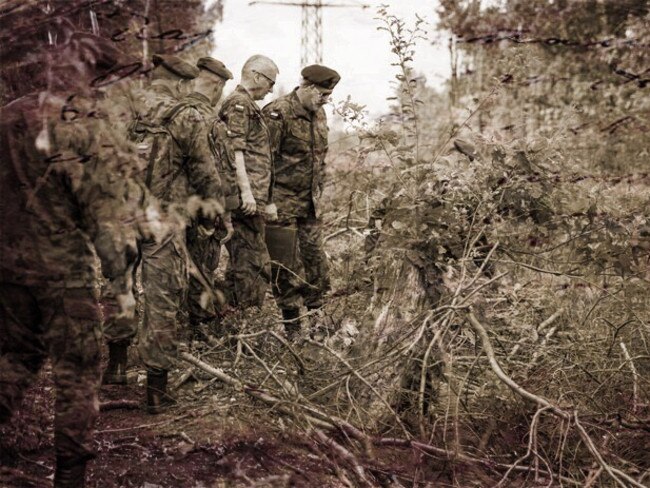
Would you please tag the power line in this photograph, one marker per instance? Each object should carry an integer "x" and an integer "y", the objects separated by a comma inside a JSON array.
[{"x": 311, "y": 25}]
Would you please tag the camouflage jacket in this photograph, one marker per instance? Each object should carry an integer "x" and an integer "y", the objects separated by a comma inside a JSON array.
[
  {"x": 181, "y": 162},
  {"x": 299, "y": 146},
  {"x": 66, "y": 184},
  {"x": 153, "y": 103},
  {"x": 248, "y": 133}
]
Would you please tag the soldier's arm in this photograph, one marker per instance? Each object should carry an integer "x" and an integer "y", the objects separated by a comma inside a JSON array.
[
  {"x": 190, "y": 130},
  {"x": 237, "y": 119},
  {"x": 321, "y": 165}
]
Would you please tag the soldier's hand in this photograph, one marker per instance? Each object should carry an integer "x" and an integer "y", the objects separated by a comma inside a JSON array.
[
  {"x": 127, "y": 306},
  {"x": 227, "y": 223},
  {"x": 271, "y": 212},
  {"x": 248, "y": 206}
]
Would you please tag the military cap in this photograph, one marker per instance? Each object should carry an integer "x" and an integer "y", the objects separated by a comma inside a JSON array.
[
  {"x": 176, "y": 65},
  {"x": 214, "y": 66},
  {"x": 321, "y": 76}
]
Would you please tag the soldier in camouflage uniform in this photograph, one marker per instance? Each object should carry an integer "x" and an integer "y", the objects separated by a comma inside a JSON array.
[
  {"x": 181, "y": 165},
  {"x": 64, "y": 176},
  {"x": 171, "y": 79},
  {"x": 298, "y": 127},
  {"x": 250, "y": 270},
  {"x": 203, "y": 240}
]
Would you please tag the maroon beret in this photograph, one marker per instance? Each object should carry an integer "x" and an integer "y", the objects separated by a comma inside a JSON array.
[
  {"x": 321, "y": 76},
  {"x": 214, "y": 66}
]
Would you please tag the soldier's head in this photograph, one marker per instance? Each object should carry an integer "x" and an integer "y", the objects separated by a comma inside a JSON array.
[
  {"x": 174, "y": 72},
  {"x": 316, "y": 86},
  {"x": 258, "y": 76},
  {"x": 213, "y": 75}
]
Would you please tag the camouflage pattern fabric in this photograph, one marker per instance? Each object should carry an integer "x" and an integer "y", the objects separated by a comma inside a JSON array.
[
  {"x": 60, "y": 184},
  {"x": 63, "y": 323},
  {"x": 299, "y": 146},
  {"x": 115, "y": 328},
  {"x": 250, "y": 270},
  {"x": 65, "y": 180},
  {"x": 204, "y": 247},
  {"x": 181, "y": 162},
  {"x": 153, "y": 104},
  {"x": 164, "y": 283},
  {"x": 248, "y": 133},
  {"x": 188, "y": 168},
  {"x": 309, "y": 279}
]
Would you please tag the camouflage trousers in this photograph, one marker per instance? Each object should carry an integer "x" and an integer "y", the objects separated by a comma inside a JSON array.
[
  {"x": 308, "y": 280},
  {"x": 119, "y": 329},
  {"x": 164, "y": 282},
  {"x": 205, "y": 251},
  {"x": 250, "y": 269},
  {"x": 64, "y": 324}
]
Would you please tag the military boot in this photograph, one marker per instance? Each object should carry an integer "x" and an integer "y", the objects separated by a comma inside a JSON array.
[
  {"x": 115, "y": 373},
  {"x": 158, "y": 400},
  {"x": 70, "y": 475},
  {"x": 292, "y": 324}
]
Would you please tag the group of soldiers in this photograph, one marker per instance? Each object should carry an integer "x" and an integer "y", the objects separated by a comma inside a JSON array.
[{"x": 165, "y": 197}]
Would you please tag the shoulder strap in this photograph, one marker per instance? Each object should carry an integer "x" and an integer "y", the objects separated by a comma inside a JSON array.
[{"x": 169, "y": 115}]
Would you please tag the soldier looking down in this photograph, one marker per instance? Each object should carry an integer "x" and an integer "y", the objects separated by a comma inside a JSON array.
[
  {"x": 181, "y": 165},
  {"x": 203, "y": 240},
  {"x": 299, "y": 131},
  {"x": 249, "y": 135}
]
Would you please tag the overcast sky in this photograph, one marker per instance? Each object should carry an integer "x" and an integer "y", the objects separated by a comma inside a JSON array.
[{"x": 352, "y": 45}]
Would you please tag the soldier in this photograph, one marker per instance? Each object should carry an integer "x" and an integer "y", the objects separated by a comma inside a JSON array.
[
  {"x": 250, "y": 270},
  {"x": 171, "y": 79},
  {"x": 181, "y": 165},
  {"x": 298, "y": 127},
  {"x": 203, "y": 242},
  {"x": 64, "y": 175}
]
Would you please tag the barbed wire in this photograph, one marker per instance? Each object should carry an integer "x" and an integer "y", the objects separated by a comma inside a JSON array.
[{"x": 516, "y": 37}]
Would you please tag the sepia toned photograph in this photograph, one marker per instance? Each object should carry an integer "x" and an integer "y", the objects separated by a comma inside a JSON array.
[{"x": 325, "y": 243}]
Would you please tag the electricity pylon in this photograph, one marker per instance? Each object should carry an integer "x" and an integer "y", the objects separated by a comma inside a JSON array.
[{"x": 311, "y": 26}]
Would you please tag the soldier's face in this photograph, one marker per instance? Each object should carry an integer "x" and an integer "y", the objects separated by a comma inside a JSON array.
[
  {"x": 265, "y": 84},
  {"x": 317, "y": 97},
  {"x": 217, "y": 92}
]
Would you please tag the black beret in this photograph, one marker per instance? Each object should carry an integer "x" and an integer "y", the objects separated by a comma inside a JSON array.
[
  {"x": 215, "y": 66},
  {"x": 176, "y": 65},
  {"x": 321, "y": 76}
]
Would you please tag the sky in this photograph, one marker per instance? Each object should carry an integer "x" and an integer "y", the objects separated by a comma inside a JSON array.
[{"x": 352, "y": 45}]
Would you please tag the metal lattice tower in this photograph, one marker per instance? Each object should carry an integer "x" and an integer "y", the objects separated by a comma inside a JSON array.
[
  {"x": 311, "y": 26},
  {"x": 312, "y": 34}
]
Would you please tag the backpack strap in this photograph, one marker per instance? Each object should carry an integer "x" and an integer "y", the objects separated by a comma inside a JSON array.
[{"x": 169, "y": 115}]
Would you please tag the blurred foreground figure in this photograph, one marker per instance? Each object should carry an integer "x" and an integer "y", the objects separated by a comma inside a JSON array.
[
  {"x": 181, "y": 169},
  {"x": 298, "y": 127},
  {"x": 64, "y": 181}
]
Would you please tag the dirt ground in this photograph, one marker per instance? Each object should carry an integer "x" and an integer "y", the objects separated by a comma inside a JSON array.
[{"x": 214, "y": 437}]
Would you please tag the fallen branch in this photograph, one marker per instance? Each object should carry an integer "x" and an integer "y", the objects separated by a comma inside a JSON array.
[{"x": 617, "y": 475}]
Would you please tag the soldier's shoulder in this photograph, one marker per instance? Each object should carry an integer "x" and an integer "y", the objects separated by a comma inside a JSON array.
[
  {"x": 237, "y": 101},
  {"x": 278, "y": 109}
]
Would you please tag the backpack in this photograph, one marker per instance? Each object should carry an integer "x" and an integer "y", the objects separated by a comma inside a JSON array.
[
  {"x": 225, "y": 159},
  {"x": 161, "y": 162}
]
